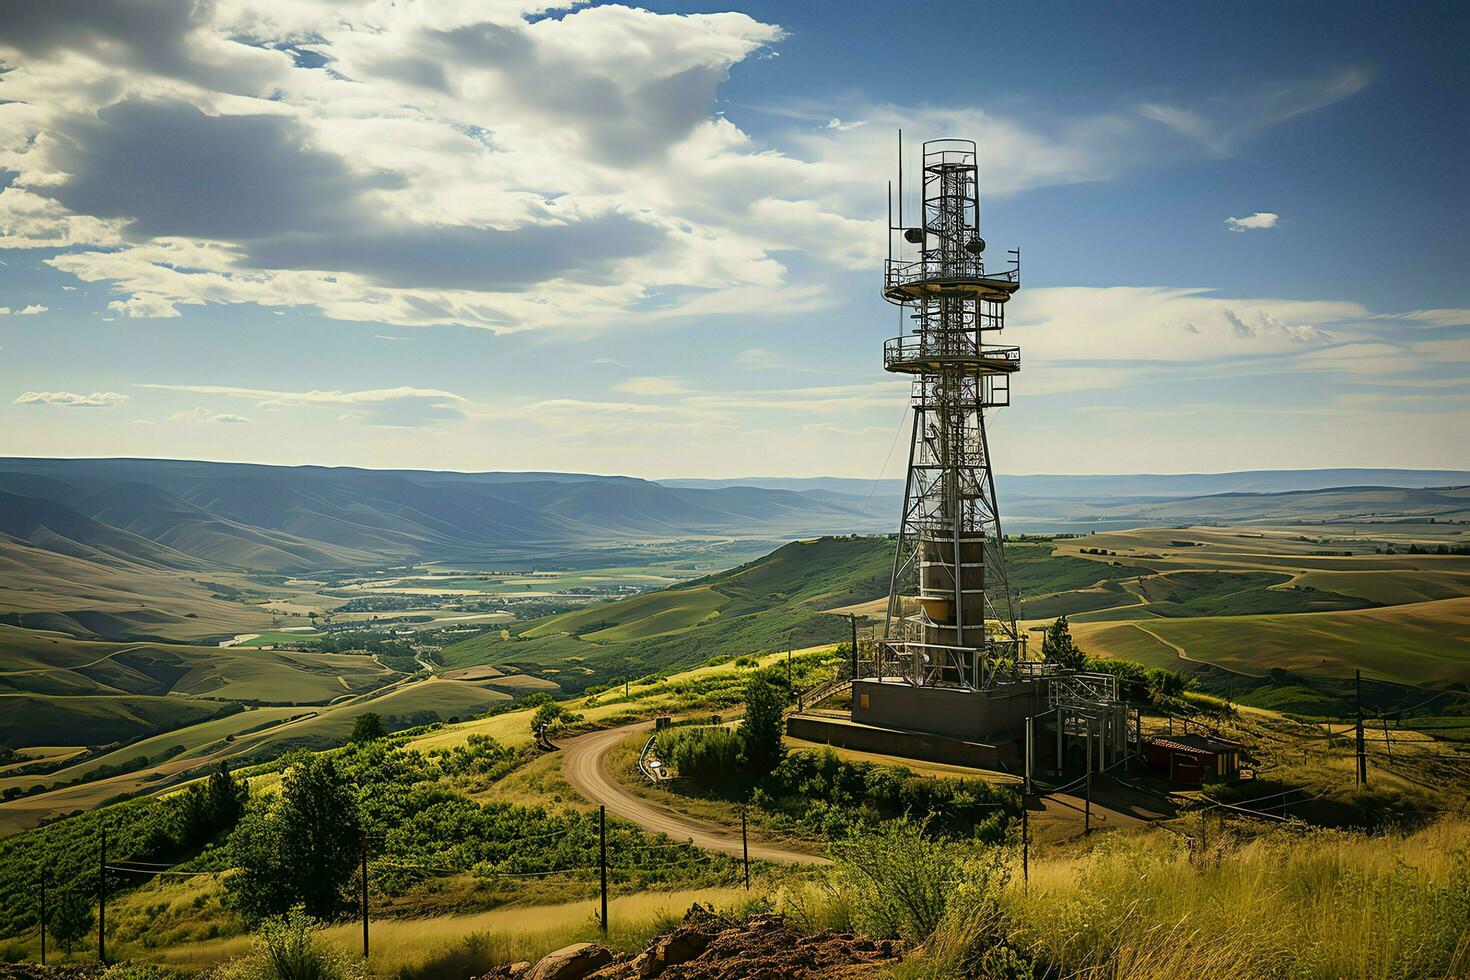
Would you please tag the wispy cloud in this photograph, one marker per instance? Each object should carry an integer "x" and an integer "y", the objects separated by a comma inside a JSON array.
[
  {"x": 205, "y": 415},
  {"x": 394, "y": 407},
  {"x": 651, "y": 386}
]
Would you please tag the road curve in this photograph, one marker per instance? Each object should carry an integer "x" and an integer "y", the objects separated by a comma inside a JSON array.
[{"x": 584, "y": 766}]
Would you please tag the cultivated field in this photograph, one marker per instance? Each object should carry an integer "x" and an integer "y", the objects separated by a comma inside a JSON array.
[{"x": 1311, "y": 599}]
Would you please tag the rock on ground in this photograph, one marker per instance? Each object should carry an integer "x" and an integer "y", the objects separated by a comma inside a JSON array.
[{"x": 709, "y": 947}]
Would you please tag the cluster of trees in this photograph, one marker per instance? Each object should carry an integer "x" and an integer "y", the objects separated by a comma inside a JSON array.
[
  {"x": 550, "y": 716},
  {"x": 302, "y": 846},
  {"x": 740, "y": 756},
  {"x": 198, "y": 815},
  {"x": 822, "y": 794},
  {"x": 171, "y": 829}
]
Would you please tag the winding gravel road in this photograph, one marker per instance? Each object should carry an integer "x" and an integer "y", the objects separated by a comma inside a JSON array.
[{"x": 584, "y": 765}]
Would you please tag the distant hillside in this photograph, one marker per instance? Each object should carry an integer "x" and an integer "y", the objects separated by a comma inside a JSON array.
[
  {"x": 274, "y": 518},
  {"x": 1342, "y": 504},
  {"x": 1124, "y": 485},
  {"x": 772, "y": 603}
]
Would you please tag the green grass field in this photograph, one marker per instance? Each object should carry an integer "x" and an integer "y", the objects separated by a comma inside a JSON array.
[
  {"x": 778, "y": 601},
  {"x": 43, "y": 719},
  {"x": 55, "y": 664},
  {"x": 1421, "y": 643},
  {"x": 641, "y": 616}
]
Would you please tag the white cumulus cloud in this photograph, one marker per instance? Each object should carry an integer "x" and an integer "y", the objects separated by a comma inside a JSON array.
[
  {"x": 1260, "y": 219},
  {"x": 71, "y": 399},
  {"x": 506, "y": 166}
]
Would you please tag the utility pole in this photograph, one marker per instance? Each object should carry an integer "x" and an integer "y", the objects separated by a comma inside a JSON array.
[
  {"x": 852, "y": 618},
  {"x": 602, "y": 860},
  {"x": 744, "y": 849},
  {"x": 1030, "y": 754},
  {"x": 43, "y": 916},
  {"x": 364, "y": 897},
  {"x": 102, "y": 899},
  {"x": 1362, "y": 751},
  {"x": 789, "y": 681},
  {"x": 1087, "y": 814},
  {"x": 1025, "y": 845}
]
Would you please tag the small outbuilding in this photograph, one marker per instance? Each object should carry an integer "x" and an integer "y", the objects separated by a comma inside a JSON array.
[{"x": 1194, "y": 758}]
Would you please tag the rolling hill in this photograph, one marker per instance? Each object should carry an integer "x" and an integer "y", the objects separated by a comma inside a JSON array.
[
  {"x": 135, "y": 549},
  {"x": 779, "y": 601},
  {"x": 281, "y": 518}
]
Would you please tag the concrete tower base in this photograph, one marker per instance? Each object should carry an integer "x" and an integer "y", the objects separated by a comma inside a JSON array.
[{"x": 995, "y": 716}]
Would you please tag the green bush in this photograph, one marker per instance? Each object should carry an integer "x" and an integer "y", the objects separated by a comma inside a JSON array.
[
  {"x": 821, "y": 793},
  {"x": 287, "y": 947},
  {"x": 901, "y": 876},
  {"x": 708, "y": 756}
]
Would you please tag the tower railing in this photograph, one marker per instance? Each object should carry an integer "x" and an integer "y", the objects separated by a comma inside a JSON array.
[
  {"x": 912, "y": 348},
  {"x": 906, "y": 272}
]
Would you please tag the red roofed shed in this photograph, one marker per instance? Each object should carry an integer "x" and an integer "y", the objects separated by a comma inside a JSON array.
[{"x": 1194, "y": 758}]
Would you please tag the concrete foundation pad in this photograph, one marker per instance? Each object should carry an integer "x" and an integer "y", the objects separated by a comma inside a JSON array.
[
  {"x": 829, "y": 730},
  {"x": 994, "y": 716}
]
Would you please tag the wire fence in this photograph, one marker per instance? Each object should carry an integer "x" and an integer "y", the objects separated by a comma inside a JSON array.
[{"x": 669, "y": 856}]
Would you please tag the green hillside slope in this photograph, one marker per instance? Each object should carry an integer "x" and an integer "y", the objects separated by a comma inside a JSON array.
[{"x": 777, "y": 601}]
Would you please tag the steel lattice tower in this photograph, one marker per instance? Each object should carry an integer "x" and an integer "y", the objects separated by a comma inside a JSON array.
[{"x": 951, "y": 619}]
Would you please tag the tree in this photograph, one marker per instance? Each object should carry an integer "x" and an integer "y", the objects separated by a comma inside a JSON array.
[
  {"x": 552, "y": 715},
  {"x": 1058, "y": 647},
  {"x": 70, "y": 920},
  {"x": 200, "y": 813},
  {"x": 765, "y": 702},
  {"x": 302, "y": 848},
  {"x": 368, "y": 728}
]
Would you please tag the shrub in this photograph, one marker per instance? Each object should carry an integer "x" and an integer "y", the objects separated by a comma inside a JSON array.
[
  {"x": 828, "y": 795},
  {"x": 288, "y": 948},
  {"x": 901, "y": 877},
  {"x": 709, "y": 756}
]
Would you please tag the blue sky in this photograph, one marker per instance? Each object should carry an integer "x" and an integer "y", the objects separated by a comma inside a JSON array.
[{"x": 647, "y": 240}]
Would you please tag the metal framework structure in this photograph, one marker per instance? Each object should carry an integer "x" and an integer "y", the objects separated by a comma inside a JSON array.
[{"x": 951, "y": 618}]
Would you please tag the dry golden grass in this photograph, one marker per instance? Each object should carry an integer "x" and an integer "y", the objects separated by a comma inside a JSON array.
[
  {"x": 450, "y": 945},
  {"x": 1284, "y": 903}
]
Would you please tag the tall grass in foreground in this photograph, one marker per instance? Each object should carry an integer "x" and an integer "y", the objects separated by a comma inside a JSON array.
[
  {"x": 1298, "y": 903},
  {"x": 452, "y": 947},
  {"x": 1284, "y": 903}
]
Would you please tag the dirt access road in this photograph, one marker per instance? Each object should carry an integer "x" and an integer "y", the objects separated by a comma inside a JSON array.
[{"x": 584, "y": 766}]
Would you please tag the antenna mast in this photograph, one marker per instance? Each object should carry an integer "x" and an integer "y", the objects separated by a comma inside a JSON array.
[{"x": 951, "y": 621}]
